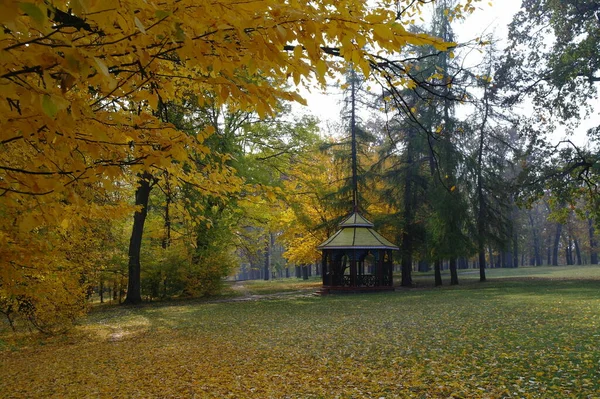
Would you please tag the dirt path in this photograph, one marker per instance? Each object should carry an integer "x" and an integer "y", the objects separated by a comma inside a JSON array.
[{"x": 246, "y": 295}]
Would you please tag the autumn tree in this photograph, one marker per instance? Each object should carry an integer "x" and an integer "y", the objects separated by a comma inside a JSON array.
[{"x": 82, "y": 83}]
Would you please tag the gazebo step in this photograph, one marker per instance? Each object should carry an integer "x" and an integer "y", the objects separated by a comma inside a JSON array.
[{"x": 352, "y": 290}]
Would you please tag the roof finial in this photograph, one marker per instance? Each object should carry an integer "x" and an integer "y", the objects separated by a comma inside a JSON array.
[{"x": 353, "y": 78}]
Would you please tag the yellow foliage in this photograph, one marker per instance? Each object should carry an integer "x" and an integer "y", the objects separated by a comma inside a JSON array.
[{"x": 81, "y": 84}]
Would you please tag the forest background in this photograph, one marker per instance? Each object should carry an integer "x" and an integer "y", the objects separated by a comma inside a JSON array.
[{"x": 177, "y": 116}]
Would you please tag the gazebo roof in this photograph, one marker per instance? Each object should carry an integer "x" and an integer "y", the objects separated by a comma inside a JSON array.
[
  {"x": 356, "y": 233},
  {"x": 356, "y": 220}
]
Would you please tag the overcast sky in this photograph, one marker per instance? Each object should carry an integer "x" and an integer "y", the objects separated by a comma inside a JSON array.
[{"x": 486, "y": 19}]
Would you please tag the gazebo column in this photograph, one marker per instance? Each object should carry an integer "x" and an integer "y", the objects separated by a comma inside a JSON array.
[
  {"x": 325, "y": 268},
  {"x": 353, "y": 269},
  {"x": 379, "y": 267}
]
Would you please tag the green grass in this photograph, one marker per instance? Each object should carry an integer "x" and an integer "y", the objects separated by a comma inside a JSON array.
[
  {"x": 262, "y": 287},
  {"x": 526, "y": 333}
]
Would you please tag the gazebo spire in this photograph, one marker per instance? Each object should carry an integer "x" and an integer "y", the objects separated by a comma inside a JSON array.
[{"x": 353, "y": 139}]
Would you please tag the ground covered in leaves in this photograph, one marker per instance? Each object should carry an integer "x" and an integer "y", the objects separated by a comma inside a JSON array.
[{"x": 534, "y": 334}]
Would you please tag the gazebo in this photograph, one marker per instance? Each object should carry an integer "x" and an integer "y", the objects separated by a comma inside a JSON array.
[{"x": 357, "y": 258}]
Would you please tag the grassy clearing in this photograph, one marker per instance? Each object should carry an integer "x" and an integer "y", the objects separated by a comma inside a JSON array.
[
  {"x": 261, "y": 287},
  {"x": 530, "y": 335}
]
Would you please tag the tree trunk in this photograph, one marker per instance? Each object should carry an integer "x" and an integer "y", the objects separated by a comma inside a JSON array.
[
  {"x": 101, "y": 290},
  {"x": 537, "y": 257},
  {"x": 593, "y": 243},
  {"x": 482, "y": 277},
  {"x": 514, "y": 262},
  {"x": 569, "y": 251},
  {"x": 481, "y": 205},
  {"x": 267, "y": 273},
  {"x": 305, "y": 272},
  {"x": 438, "y": 272},
  {"x": 142, "y": 193},
  {"x": 410, "y": 205},
  {"x": 453, "y": 272},
  {"x": 166, "y": 241},
  {"x": 556, "y": 244},
  {"x": 577, "y": 252},
  {"x": 406, "y": 264}
]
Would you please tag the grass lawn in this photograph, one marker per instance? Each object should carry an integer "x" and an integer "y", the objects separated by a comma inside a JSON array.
[{"x": 526, "y": 333}]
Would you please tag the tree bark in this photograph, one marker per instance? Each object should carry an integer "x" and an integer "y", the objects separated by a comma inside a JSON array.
[
  {"x": 101, "y": 290},
  {"x": 305, "y": 272},
  {"x": 482, "y": 276},
  {"x": 515, "y": 251},
  {"x": 453, "y": 272},
  {"x": 166, "y": 241},
  {"x": 556, "y": 244},
  {"x": 142, "y": 194},
  {"x": 577, "y": 252},
  {"x": 569, "y": 251},
  {"x": 593, "y": 243},
  {"x": 268, "y": 258}
]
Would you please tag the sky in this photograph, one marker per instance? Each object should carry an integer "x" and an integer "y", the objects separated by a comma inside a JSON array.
[{"x": 487, "y": 18}]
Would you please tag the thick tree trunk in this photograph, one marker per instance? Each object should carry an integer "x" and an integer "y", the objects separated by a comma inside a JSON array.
[
  {"x": 453, "y": 272},
  {"x": 482, "y": 277},
  {"x": 142, "y": 193},
  {"x": 556, "y": 244},
  {"x": 305, "y": 272},
  {"x": 438, "y": 272},
  {"x": 569, "y": 251}
]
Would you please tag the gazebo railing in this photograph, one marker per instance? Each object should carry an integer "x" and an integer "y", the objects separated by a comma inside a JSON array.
[{"x": 365, "y": 280}]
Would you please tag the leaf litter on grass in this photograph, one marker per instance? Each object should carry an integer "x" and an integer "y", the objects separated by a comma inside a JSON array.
[{"x": 503, "y": 340}]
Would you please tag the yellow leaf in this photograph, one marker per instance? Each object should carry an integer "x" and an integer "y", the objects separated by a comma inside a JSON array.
[
  {"x": 139, "y": 25},
  {"x": 102, "y": 66},
  {"x": 321, "y": 68},
  {"x": 65, "y": 224}
]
